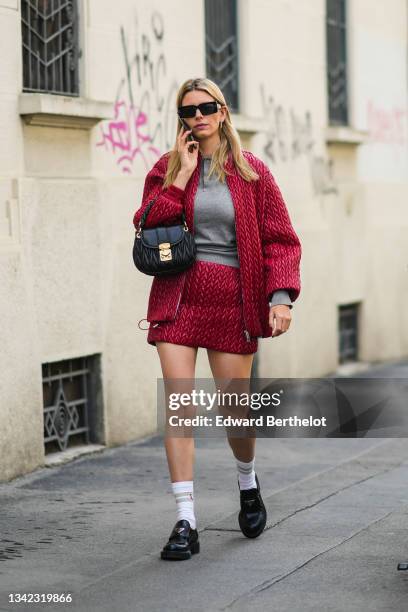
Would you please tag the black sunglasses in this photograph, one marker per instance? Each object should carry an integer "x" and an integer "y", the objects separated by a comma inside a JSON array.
[{"x": 206, "y": 108}]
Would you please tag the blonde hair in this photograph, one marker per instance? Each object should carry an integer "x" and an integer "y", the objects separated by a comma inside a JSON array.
[{"x": 229, "y": 139}]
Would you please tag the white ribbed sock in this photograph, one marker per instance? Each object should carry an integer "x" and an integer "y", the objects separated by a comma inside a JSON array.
[
  {"x": 246, "y": 474},
  {"x": 184, "y": 493}
]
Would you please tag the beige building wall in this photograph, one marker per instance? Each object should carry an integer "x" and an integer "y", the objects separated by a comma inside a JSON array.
[{"x": 72, "y": 173}]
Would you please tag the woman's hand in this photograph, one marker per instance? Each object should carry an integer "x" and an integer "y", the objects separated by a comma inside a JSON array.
[
  {"x": 188, "y": 158},
  {"x": 279, "y": 319}
]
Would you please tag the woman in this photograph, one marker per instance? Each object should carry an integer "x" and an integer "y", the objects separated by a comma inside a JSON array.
[{"x": 241, "y": 286}]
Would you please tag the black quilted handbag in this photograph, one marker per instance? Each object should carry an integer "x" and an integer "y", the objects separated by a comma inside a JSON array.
[{"x": 163, "y": 250}]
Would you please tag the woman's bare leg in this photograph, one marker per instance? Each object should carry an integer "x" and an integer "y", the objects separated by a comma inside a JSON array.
[
  {"x": 252, "y": 516},
  {"x": 178, "y": 361},
  {"x": 232, "y": 365}
]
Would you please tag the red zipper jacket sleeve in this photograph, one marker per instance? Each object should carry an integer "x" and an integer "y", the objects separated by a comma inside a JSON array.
[
  {"x": 168, "y": 207},
  {"x": 281, "y": 246}
]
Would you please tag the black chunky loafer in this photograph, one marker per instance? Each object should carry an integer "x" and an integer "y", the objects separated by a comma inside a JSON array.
[
  {"x": 252, "y": 516},
  {"x": 183, "y": 542}
]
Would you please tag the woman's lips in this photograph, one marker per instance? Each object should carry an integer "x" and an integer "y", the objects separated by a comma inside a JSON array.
[{"x": 200, "y": 127}]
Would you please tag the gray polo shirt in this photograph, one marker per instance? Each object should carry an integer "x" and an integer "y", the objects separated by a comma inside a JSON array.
[{"x": 214, "y": 225}]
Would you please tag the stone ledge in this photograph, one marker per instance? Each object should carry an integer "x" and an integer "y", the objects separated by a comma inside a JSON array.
[
  {"x": 52, "y": 110},
  {"x": 53, "y": 459},
  {"x": 346, "y": 135}
]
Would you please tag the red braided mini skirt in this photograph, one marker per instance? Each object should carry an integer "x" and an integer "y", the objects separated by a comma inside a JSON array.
[{"x": 210, "y": 313}]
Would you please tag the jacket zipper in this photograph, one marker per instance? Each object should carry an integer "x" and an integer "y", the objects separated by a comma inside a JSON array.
[
  {"x": 178, "y": 304},
  {"x": 179, "y": 299},
  {"x": 246, "y": 332},
  {"x": 182, "y": 288}
]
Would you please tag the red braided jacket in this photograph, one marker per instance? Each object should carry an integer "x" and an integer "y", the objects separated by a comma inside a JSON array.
[{"x": 269, "y": 250}]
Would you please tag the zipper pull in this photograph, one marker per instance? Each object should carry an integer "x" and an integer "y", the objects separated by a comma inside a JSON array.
[{"x": 247, "y": 336}]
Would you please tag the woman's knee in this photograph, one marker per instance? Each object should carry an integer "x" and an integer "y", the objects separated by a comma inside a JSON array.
[{"x": 177, "y": 361}]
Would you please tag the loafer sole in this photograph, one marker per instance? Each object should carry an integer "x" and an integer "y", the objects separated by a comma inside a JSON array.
[{"x": 180, "y": 555}]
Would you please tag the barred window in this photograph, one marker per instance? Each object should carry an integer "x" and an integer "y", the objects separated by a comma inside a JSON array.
[
  {"x": 337, "y": 61},
  {"x": 348, "y": 333},
  {"x": 50, "y": 46},
  {"x": 72, "y": 391},
  {"x": 222, "y": 48}
]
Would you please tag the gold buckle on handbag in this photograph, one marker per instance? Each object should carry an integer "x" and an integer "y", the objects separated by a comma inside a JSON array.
[{"x": 165, "y": 251}]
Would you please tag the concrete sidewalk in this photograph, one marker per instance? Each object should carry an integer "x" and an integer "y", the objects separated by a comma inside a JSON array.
[{"x": 337, "y": 527}]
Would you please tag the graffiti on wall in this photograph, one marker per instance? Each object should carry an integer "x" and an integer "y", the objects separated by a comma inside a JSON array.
[
  {"x": 386, "y": 125},
  {"x": 143, "y": 124},
  {"x": 289, "y": 136}
]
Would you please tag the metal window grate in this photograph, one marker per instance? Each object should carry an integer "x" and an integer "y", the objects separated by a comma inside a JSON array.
[
  {"x": 348, "y": 333},
  {"x": 222, "y": 48},
  {"x": 68, "y": 402},
  {"x": 337, "y": 61},
  {"x": 50, "y": 46}
]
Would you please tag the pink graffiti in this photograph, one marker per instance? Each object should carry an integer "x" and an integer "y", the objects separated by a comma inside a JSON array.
[
  {"x": 387, "y": 126},
  {"x": 126, "y": 135}
]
